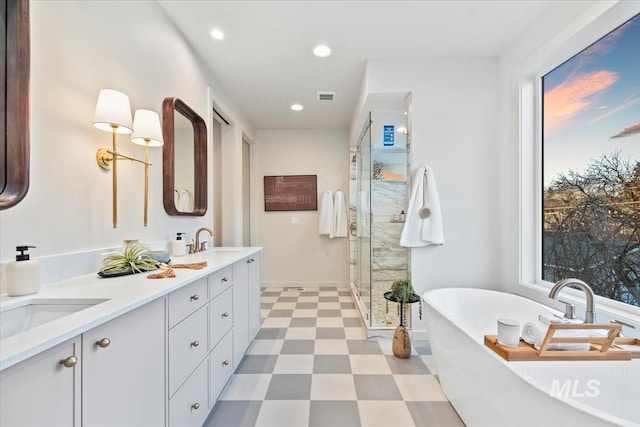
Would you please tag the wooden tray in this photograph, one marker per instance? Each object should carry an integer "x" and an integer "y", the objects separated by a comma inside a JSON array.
[{"x": 601, "y": 348}]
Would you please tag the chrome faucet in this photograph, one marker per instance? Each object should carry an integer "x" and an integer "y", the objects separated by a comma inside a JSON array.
[
  {"x": 589, "y": 316},
  {"x": 201, "y": 247}
]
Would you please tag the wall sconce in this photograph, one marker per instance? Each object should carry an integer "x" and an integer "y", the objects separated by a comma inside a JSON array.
[
  {"x": 147, "y": 132},
  {"x": 113, "y": 114}
]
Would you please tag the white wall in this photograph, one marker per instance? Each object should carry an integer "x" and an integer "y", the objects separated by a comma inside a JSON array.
[
  {"x": 78, "y": 48},
  {"x": 454, "y": 130},
  {"x": 294, "y": 253}
]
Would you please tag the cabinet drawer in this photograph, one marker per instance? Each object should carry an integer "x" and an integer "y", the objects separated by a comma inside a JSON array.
[
  {"x": 188, "y": 407},
  {"x": 221, "y": 367},
  {"x": 220, "y": 316},
  {"x": 186, "y": 300},
  {"x": 187, "y": 347},
  {"x": 220, "y": 281}
]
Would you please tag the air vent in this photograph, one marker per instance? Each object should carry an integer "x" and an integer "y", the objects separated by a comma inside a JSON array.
[{"x": 326, "y": 96}]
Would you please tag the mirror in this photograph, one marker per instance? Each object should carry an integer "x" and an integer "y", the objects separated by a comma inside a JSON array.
[
  {"x": 184, "y": 159},
  {"x": 14, "y": 102}
]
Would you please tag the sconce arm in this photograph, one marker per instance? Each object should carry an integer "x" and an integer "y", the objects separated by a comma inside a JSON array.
[{"x": 104, "y": 157}]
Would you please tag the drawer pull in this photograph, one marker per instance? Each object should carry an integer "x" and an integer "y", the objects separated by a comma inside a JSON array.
[
  {"x": 195, "y": 343},
  {"x": 225, "y": 363},
  {"x": 250, "y": 260},
  {"x": 225, "y": 314},
  {"x": 103, "y": 343},
  {"x": 195, "y": 297},
  {"x": 195, "y": 406},
  {"x": 69, "y": 362},
  {"x": 225, "y": 279}
]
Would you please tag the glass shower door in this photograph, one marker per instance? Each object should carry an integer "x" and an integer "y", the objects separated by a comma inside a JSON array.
[{"x": 363, "y": 222}]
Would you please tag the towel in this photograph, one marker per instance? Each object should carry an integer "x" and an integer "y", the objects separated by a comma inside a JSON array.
[
  {"x": 339, "y": 215},
  {"x": 565, "y": 333},
  {"x": 185, "y": 203},
  {"x": 419, "y": 231},
  {"x": 325, "y": 222},
  {"x": 364, "y": 218},
  {"x": 533, "y": 332}
]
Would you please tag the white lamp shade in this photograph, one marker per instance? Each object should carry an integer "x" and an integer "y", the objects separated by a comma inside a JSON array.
[
  {"x": 113, "y": 109},
  {"x": 146, "y": 128}
]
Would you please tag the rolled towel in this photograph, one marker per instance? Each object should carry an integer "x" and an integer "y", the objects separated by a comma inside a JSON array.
[{"x": 533, "y": 332}]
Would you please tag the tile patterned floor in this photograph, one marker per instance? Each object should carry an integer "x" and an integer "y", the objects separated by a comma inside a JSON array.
[{"x": 311, "y": 365}]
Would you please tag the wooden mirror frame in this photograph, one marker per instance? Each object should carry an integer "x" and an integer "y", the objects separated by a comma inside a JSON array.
[
  {"x": 14, "y": 96},
  {"x": 170, "y": 106}
]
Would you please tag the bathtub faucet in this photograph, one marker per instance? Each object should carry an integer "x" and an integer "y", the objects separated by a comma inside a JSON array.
[{"x": 589, "y": 316}]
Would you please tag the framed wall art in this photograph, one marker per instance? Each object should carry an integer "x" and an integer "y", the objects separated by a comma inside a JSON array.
[{"x": 291, "y": 193}]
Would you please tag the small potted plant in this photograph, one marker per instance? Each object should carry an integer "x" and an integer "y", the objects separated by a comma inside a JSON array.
[{"x": 403, "y": 293}]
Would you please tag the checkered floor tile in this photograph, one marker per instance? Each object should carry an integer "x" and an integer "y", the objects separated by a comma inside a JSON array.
[{"x": 311, "y": 365}]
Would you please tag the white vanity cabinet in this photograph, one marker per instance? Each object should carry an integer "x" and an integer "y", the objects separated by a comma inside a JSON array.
[
  {"x": 163, "y": 363},
  {"x": 246, "y": 304},
  {"x": 123, "y": 369},
  {"x": 43, "y": 390},
  {"x": 188, "y": 350}
]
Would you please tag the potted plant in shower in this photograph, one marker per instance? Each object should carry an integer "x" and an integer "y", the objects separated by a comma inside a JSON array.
[{"x": 402, "y": 293}]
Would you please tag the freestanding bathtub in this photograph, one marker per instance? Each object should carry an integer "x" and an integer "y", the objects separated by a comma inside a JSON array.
[{"x": 487, "y": 390}]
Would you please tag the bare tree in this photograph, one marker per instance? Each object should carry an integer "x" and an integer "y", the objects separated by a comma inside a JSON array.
[{"x": 592, "y": 228}]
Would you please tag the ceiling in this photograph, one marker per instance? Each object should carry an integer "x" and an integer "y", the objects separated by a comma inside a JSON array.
[{"x": 265, "y": 62}]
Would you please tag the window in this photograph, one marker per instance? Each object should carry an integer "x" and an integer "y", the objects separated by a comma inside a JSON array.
[{"x": 591, "y": 167}]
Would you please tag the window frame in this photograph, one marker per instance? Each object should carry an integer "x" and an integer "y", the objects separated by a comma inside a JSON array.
[{"x": 530, "y": 191}]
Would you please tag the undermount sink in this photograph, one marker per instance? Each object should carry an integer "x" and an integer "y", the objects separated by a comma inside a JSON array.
[{"x": 16, "y": 318}]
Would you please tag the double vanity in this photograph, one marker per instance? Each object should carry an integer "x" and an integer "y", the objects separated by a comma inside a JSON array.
[{"x": 129, "y": 350}]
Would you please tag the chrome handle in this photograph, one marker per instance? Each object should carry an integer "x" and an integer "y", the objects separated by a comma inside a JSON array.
[
  {"x": 225, "y": 279},
  {"x": 353, "y": 229},
  {"x": 225, "y": 314},
  {"x": 195, "y": 343},
  {"x": 620, "y": 322},
  {"x": 226, "y": 363},
  {"x": 69, "y": 362},
  {"x": 195, "y": 406},
  {"x": 195, "y": 297},
  {"x": 103, "y": 343}
]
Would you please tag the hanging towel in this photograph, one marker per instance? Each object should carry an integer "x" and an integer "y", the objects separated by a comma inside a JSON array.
[
  {"x": 339, "y": 215},
  {"x": 186, "y": 202},
  {"x": 325, "y": 222},
  {"x": 419, "y": 231}
]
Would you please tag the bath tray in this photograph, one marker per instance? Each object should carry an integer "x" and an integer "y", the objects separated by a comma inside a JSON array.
[{"x": 602, "y": 348}]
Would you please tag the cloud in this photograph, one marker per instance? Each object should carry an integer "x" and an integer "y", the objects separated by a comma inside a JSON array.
[
  {"x": 631, "y": 130},
  {"x": 572, "y": 96}
]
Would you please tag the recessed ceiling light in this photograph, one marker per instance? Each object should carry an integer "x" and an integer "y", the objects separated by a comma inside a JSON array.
[
  {"x": 297, "y": 107},
  {"x": 322, "y": 51},
  {"x": 217, "y": 34}
]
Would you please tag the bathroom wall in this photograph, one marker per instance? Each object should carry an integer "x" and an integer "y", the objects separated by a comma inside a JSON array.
[
  {"x": 455, "y": 131},
  {"x": 294, "y": 254},
  {"x": 78, "y": 48}
]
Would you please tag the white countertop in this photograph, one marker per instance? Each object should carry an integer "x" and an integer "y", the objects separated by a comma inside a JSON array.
[{"x": 124, "y": 294}]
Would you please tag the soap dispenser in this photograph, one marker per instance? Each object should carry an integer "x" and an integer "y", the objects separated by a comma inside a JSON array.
[
  {"x": 178, "y": 248},
  {"x": 23, "y": 274}
]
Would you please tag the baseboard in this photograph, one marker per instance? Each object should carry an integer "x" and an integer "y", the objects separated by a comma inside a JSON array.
[{"x": 302, "y": 284}]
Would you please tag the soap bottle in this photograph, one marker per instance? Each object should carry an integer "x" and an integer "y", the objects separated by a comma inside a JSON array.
[
  {"x": 178, "y": 248},
  {"x": 23, "y": 274},
  {"x": 403, "y": 216}
]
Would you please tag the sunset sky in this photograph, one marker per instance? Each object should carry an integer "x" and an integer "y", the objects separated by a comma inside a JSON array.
[{"x": 592, "y": 104}]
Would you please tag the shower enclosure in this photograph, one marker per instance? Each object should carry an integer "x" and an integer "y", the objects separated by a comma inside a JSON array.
[{"x": 378, "y": 195}]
